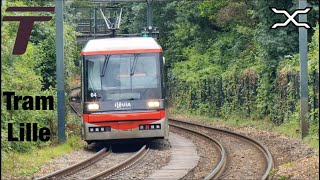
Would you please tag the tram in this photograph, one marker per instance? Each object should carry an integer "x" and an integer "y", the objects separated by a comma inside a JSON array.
[{"x": 123, "y": 90}]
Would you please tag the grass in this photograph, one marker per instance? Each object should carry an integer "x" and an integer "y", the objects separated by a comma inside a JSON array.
[
  {"x": 25, "y": 165},
  {"x": 290, "y": 128},
  {"x": 313, "y": 141}
]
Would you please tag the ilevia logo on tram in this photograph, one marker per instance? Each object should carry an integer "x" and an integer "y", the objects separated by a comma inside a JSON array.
[{"x": 123, "y": 90}]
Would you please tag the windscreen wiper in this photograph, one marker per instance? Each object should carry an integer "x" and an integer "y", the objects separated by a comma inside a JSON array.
[
  {"x": 105, "y": 64},
  {"x": 134, "y": 65}
]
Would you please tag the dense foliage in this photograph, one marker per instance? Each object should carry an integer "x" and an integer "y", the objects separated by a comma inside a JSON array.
[
  {"x": 32, "y": 74},
  {"x": 223, "y": 59}
]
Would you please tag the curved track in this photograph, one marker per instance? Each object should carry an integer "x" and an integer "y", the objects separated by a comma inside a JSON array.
[
  {"x": 74, "y": 109},
  {"x": 74, "y": 95},
  {"x": 76, "y": 167},
  {"x": 122, "y": 166},
  {"x": 64, "y": 173},
  {"x": 218, "y": 169},
  {"x": 267, "y": 155}
]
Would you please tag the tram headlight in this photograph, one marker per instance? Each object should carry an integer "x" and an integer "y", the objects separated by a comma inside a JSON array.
[
  {"x": 93, "y": 106},
  {"x": 153, "y": 104}
]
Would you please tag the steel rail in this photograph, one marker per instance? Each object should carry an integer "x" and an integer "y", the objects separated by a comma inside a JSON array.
[
  {"x": 123, "y": 165},
  {"x": 74, "y": 109},
  {"x": 70, "y": 103},
  {"x": 76, "y": 167},
  {"x": 219, "y": 168},
  {"x": 265, "y": 150}
]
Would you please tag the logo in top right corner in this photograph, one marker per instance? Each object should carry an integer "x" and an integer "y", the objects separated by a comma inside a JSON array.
[{"x": 291, "y": 18}]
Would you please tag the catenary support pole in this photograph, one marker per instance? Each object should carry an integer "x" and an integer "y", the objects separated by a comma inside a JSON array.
[
  {"x": 149, "y": 14},
  {"x": 95, "y": 22},
  {"x": 60, "y": 70},
  {"x": 303, "y": 51}
]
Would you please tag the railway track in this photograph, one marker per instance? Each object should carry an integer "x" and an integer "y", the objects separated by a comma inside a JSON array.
[
  {"x": 74, "y": 109},
  {"x": 74, "y": 92},
  {"x": 76, "y": 167},
  {"x": 218, "y": 168},
  {"x": 223, "y": 169},
  {"x": 268, "y": 160},
  {"x": 125, "y": 164},
  {"x": 122, "y": 166}
]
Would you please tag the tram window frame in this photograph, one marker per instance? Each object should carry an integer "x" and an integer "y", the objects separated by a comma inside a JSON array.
[{"x": 160, "y": 70}]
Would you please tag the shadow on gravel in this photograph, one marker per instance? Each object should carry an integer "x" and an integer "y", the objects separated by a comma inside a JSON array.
[
  {"x": 129, "y": 146},
  {"x": 124, "y": 148},
  {"x": 159, "y": 144}
]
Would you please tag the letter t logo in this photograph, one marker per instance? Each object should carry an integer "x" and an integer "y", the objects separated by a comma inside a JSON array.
[{"x": 26, "y": 25}]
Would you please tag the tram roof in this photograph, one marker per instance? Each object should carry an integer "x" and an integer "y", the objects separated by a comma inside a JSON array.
[{"x": 121, "y": 46}]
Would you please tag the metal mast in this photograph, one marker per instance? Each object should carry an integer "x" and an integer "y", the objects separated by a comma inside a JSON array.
[
  {"x": 60, "y": 71},
  {"x": 149, "y": 14},
  {"x": 303, "y": 51}
]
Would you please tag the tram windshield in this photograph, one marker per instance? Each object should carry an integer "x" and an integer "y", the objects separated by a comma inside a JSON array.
[{"x": 123, "y": 77}]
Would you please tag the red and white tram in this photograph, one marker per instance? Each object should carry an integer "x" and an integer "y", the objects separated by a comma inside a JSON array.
[{"x": 123, "y": 89}]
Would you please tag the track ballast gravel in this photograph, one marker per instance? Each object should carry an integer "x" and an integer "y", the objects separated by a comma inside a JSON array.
[
  {"x": 244, "y": 159},
  {"x": 209, "y": 155},
  {"x": 158, "y": 156}
]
